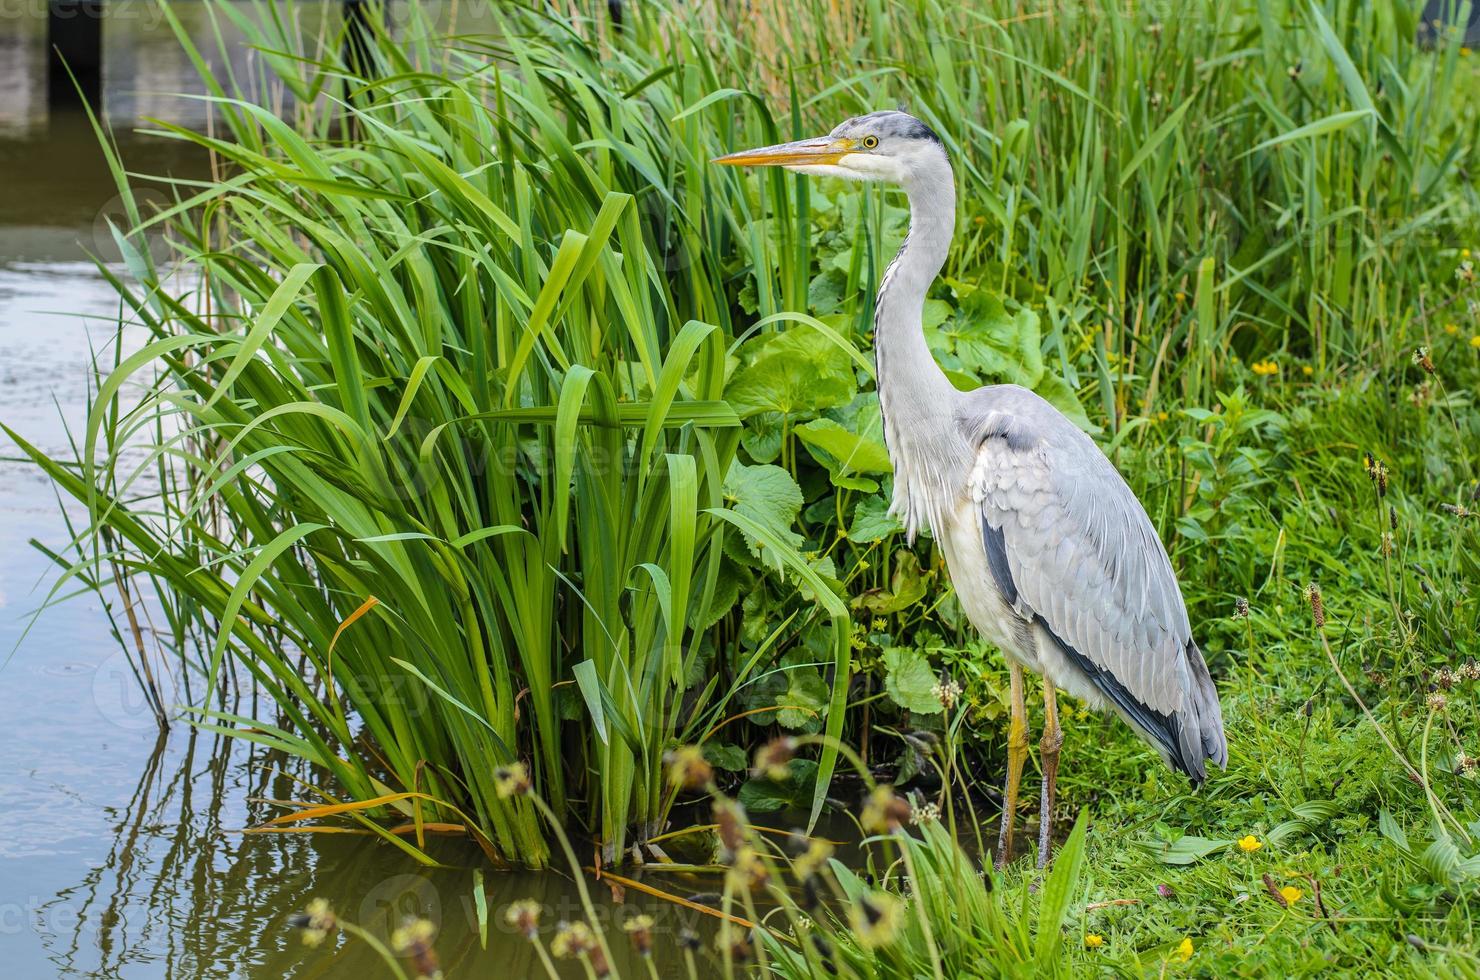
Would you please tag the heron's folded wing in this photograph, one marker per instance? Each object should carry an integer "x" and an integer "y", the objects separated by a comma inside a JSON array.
[{"x": 1071, "y": 548}]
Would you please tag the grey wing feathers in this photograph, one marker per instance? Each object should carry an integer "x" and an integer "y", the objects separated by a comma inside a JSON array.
[{"x": 1071, "y": 549}]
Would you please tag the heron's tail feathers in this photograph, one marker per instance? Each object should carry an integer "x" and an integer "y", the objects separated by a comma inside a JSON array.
[{"x": 1198, "y": 727}]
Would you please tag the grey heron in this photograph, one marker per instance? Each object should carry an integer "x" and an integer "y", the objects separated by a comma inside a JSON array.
[{"x": 1053, "y": 558}]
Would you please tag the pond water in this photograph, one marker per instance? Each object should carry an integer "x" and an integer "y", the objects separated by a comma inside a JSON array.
[{"x": 120, "y": 854}]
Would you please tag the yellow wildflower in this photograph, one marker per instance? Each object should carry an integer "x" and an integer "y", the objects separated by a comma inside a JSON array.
[
  {"x": 1450, "y": 328},
  {"x": 813, "y": 860},
  {"x": 640, "y": 928},
  {"x": 1249, "y": 843},
  {"x": 1162, "y": 416},
  {"x": 1094, "y": 940},
  {"x": 1291, "y": 895},
  {"x": 1464, "y": 253},
  {"x": 1181, "y": 297},
  {"x": 1464, "y": 52},
  {"x": 1184, "y": 950},
  {"x": 774, "y": 759},
  {"x": 749, "y": 872},
  {"x": 1263, "y": 368},
  {"x": 1475, "y": 341},
  {"x": 413, "y": 941},
  {"x": 1307, "y": 370}
]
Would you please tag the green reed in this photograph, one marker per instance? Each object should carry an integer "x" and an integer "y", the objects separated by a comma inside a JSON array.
[{"x": 435, "y": 395}]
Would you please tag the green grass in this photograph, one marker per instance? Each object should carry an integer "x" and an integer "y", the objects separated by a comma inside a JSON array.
[{"x": 487, "y": 341}]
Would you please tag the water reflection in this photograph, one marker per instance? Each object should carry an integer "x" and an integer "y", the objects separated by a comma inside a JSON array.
[
  {"x": 120, "y": 851},
  {"x": 178, "y": 892}
]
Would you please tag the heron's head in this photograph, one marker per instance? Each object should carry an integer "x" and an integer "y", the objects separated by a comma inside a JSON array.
[{"x": 891, "y": 146}]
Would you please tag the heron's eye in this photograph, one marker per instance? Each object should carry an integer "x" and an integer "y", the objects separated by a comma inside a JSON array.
[{"x": 869, "y": 142}]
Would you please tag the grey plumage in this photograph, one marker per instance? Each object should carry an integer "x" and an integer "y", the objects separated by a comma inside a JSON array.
[
  {"x": 1072, "y": 552},
  {"x": 1052, "y": 556},
  {"x": 887, "y": 123},
  {"x": 1093, "y": 602}
]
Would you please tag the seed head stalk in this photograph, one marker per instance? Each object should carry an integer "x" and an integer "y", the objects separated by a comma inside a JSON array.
[
  {"x": 1439, "y": 810},
  {"x": 544, "y": 955},
  {"x": 380, "y": 948},
  {"x": 1379, "y": 474},
  {"x": 921, "y": 916},
  {"x": 577, "y": 874}
]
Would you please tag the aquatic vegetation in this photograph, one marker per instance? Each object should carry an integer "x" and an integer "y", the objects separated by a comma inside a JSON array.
[{"x": 508, "y": 449}]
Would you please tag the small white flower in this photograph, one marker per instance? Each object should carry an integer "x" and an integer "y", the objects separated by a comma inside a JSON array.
[{"x": 947, "y": 693}]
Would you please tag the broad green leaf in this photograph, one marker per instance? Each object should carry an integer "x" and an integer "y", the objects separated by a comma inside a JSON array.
[
  {"x": 1185, "y": 849},
  {"x": 480, "y": 903},
  {"x": 910, "y": 681},
  {"x": 804, "y": 701},
  {"x": 796, "y": 372},
  {"x": 1392, "y": 830},
  {"x": 1059, "y": 892},
  {"x": 848, "y": 451},
  {"x": 590, "y": 687},
  {"x": 762, "y": 795},
  {"x": 1320, "y": 127},
  {"x": 872, "y": 521},
  {"x": 723, "y": 755},
  {"x": 906, "y": 587},
  {"x": 762, "y": 436},
  {"x": 769, "y": 496}
]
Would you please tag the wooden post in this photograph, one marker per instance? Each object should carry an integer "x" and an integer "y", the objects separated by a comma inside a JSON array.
[{"x": 74, "y": 43}]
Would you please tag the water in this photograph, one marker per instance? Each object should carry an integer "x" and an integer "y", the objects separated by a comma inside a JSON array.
[{"x": 120, "y": 850}]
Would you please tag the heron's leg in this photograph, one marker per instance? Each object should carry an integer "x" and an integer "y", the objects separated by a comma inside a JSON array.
[
  {"x": 1048, "y": 751},
  {"x": 1017, "y": 752}
]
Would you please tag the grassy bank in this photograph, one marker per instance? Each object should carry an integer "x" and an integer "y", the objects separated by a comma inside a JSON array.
[{"x": 493, "y": 425}]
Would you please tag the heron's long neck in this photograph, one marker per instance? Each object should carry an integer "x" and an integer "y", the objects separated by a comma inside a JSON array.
[{"x": 917, "y": 400}]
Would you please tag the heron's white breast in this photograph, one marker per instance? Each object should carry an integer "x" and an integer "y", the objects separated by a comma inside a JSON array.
[
  {"x": 1021, "y": 641},
  {"x": 966, "y": 560}
]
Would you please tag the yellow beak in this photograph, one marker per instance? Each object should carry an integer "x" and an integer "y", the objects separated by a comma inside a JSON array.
[{"x": 813, "y": 152}]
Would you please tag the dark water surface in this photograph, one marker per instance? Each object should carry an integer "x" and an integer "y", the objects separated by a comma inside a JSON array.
[{"x": 120, "y": 854}]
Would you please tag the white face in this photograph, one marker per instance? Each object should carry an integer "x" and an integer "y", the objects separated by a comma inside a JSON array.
[
  {"x": 893, "y": 160},
  {"x": 857, "y": 165},
  {"x": 895, "y": 149}
]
